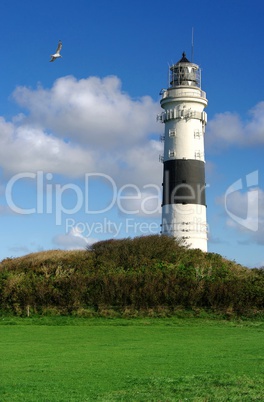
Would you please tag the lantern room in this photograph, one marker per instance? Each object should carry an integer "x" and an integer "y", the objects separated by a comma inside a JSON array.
[{"x": 185, "y": 73}]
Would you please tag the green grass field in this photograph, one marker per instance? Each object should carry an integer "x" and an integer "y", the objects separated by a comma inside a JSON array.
[{"x": 172, "y": 359}]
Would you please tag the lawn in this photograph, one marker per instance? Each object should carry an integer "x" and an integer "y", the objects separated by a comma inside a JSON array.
[{"x": 172, "y": 359}]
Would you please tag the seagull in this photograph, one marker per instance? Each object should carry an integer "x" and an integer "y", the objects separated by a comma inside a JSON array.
[{"x": 57, "y": 54}]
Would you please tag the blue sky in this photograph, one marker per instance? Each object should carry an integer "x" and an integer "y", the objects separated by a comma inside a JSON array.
[{"x": 79, "y": 141}]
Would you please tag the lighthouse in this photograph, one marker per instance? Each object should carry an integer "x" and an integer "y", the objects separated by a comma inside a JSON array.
[{"x": 183, "y": 202}]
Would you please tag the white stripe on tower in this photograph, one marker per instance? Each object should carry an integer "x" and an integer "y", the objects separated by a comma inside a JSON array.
[{"x": 183, "y": 205}]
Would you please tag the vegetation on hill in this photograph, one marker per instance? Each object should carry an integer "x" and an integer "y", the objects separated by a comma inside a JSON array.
[{"x": 151, "y": 274}]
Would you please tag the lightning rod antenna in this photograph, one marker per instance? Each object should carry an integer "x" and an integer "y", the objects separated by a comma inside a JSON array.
[{"x": 192, "y": 46}]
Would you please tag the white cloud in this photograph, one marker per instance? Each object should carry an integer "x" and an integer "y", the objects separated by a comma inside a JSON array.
[
  {"x": 136, "y": 202},
  {"x": 20, "y": 249},
  {"x": 226, "y": 129},
  {"x": 140, "y": 164},
  {"x": 27, "y": 148},
  {"x": 245, "y": 214},
  {"x": 91, "y": 111},
  {"x": 73, "y": 240},
  {"x": 81, "y": 126}
]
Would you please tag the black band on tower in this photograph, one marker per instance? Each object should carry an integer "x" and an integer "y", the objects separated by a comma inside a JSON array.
[{"x": 184, "y": 182}]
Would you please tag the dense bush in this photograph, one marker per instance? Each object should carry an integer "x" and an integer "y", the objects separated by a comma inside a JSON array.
[{"x": 151, "y": 273}]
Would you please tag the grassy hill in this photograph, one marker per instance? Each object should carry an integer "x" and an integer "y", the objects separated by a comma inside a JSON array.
[{"x": 152, "y": 275}]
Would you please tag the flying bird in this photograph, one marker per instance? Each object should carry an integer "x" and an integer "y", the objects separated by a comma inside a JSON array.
[{"x": 56, "y": 55}]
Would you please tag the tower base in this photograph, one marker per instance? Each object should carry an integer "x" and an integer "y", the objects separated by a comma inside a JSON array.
[{"x": 187, "y": 223}]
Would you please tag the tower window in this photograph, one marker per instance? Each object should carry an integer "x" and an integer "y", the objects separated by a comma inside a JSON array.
[
  {"x": 172, "y": 133},
  {"x": 197, "y": 134},
  {"x": 198, "y": 155}
]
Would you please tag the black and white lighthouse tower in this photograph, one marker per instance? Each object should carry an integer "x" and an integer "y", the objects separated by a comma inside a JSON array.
[{"x": 183, "y": 204}]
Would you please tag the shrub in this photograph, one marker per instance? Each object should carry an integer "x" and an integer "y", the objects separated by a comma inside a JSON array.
[{"x": 152, "y": 274}]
